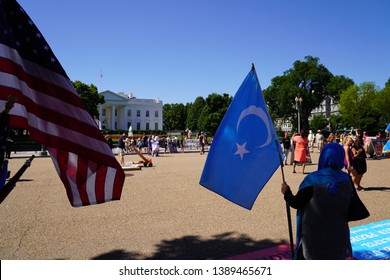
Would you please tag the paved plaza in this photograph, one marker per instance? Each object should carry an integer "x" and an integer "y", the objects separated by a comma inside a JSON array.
[{"x": 163, "y": 214}]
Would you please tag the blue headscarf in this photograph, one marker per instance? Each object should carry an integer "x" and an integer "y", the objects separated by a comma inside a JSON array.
[
  {"x": 329, "y": 173},
  {"x": 329, "y": 169}
]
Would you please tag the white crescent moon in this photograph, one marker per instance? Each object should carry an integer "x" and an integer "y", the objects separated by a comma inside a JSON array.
[{"x": 257, "y": 111}]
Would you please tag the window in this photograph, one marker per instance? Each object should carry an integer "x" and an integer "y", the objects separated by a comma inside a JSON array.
[
  {"x": 156, "y": 114},
  {"x": 138, "y": 126},
  {"x": 138, "y": 113},
  {"x": 147, "y": 126},
  {"x": 129, "y": 113},
  {"x": 103, "y": 112},
  {"x": 116, "y": 112},
  {"x": 147, "y": 113},
  {"x": 156, "y": 126}
]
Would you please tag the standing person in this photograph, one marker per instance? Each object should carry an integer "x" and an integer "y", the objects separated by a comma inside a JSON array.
[
  {"x": 359, "y": 136},
  {"x": 301, "y": 144},
  {"x": 286, "y": 143},
  {"x": 311, "y": 139},
  {"x": 319, "y": 140},
  {"x": 337, "y": 136},
  {"x": 201, "y": 142},
  {"x": 122, "y": 147},
  {"x": 331, "y": 138},
  {"x": 322, "y": 202},
  {"x": 182, "y": 143},
  {"x": 292, "y": 149},
  {"x": 150, "y": 142},
  {"x": 145, "y": 143},
  {"x": 348, "y": 161},
  {"x": 4, "y": 134},
  {"x": 359, "y": 163}
]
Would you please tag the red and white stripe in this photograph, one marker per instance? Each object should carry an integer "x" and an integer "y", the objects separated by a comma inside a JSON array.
[{"x": 50, "y": 108}]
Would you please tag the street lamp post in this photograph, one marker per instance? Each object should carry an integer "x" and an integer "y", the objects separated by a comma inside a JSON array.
[{"x": 298, "y": 104}]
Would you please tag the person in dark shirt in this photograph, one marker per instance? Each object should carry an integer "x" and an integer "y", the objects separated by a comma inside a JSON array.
[
  {"x": 4, "y": 126},
  {"x": 4, "y": 135},
  {"x": 322, "y": 204},
  {"x": 121, "y": 147},
  {"x": 286, "y": 143}
]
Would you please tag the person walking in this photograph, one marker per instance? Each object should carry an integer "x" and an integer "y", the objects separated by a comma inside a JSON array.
[
  {"x": 311, "y": 139},
  {"x": 301, "y": 144},
  {"x": 359, "y": 163},
  {"x": 322, "y": 202},
  {"x": 122, "y": 147},
  {"x": 286, "y": 143},
  {"x": 320, "y": 140},
  {"x": 201, "y": 142},
  {"x": 348, "y": 160}
]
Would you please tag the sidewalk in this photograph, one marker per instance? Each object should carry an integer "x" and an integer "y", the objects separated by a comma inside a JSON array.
[{"x": 163, "y": 214}]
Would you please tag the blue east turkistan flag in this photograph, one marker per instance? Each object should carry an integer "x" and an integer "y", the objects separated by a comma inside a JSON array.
[
  {"x": 245, "y": 151},
  {"x": 388, "y": 128}
]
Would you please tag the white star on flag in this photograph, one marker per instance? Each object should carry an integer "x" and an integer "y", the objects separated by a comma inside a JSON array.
[{"x": 241, "y": 150}]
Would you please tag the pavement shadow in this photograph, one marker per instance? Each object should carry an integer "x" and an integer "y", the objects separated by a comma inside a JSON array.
[
  {"x": 196, "y": 248},
  {"x": 368, "y": 189},
  {"x": 25, "y": 180}
]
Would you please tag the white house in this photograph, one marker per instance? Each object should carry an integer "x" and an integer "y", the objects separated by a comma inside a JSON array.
[
  {"x": 121, "y": 111},
  {"x": 327, "y": 108}
]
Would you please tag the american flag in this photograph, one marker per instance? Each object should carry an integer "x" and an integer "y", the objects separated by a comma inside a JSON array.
[{"x": 50, "y": 109}]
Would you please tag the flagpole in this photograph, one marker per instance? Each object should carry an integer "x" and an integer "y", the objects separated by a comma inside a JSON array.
[
  {"x": 9, "y": 186},
  {"x": 290, "y": 232}
]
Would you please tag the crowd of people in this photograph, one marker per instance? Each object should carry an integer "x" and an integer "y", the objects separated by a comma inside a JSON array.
[
  {"x": 153, "y": 144},
  {"x": 300, "y": 145}
]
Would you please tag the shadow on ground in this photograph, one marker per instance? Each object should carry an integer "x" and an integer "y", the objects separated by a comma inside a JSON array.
[
  {"x": 368, "y": 189},
  {"x": 195, "y": 248}
]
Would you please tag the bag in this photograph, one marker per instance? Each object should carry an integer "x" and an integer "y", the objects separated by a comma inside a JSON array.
[{"x": 357, "y": 210}]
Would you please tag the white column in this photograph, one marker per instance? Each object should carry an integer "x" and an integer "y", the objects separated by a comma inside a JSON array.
[
  {"x": 100, "y": 116},
  {"x": 126, "y": 118},
  {"x": 113, "y": 117}
]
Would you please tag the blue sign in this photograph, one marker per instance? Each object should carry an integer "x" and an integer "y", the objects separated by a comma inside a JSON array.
[{"x": 371, "y": 241}]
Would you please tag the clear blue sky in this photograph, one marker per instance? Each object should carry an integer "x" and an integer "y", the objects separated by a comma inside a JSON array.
[{"x": 177, "y": 50}]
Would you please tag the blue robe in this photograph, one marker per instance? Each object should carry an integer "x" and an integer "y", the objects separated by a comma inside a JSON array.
[{"x": 328, "y": 177}]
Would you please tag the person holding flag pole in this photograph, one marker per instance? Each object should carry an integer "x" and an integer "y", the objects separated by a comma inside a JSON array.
[
  {"x": 245, "y": 152},
  {"x": 323, "y": 201}
]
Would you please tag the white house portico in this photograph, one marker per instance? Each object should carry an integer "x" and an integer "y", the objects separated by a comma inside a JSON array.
[{"x": 121, "y": 111}]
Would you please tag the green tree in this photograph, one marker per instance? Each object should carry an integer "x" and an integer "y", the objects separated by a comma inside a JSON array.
[
  {"x": 213, "y": 112},
  {"x": 309, "y": 80},
  {"x": 194, "y": 111},
  {"x": 382, "y": 102},
  {"x": 318, "y": 122},
  {"x": 350, "y": 106},
  {"x": 90, "y": 96},
  {"x": 336, "y": 122},
  {"x": 174, "y": 116},
  {"x": 358, "y": 107}
]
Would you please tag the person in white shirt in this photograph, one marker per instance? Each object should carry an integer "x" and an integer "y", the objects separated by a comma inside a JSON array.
[
  {"x": 311, "y": 139},
  {"x": 319, "y": 140}
]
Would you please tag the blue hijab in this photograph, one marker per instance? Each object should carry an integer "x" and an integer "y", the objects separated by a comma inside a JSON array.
[{"x": 329, "y": 173}]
